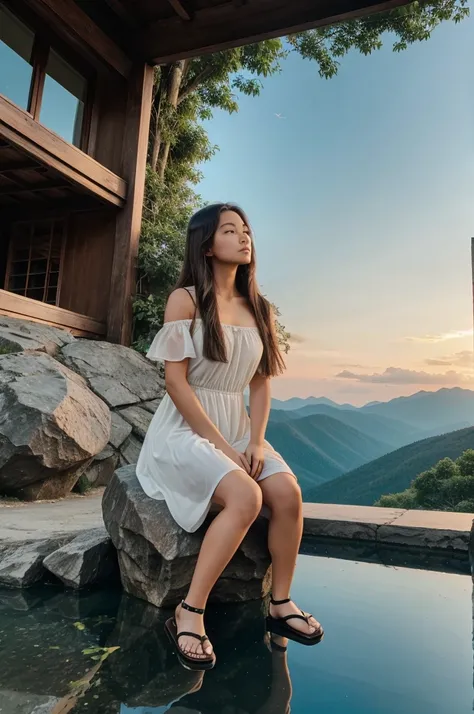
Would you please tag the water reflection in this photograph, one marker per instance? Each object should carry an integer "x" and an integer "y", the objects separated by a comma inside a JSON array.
[{"x": 251, "y": 677}]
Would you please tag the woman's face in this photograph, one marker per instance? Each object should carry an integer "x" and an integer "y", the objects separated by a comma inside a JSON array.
[{"x": 232, "y": 241}]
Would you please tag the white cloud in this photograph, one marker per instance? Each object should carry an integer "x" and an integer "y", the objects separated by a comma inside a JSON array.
[
  {"x": 442, "y": 337},
  {"x": 459, "y": 359},
  {"x": 397, "y": 375}
]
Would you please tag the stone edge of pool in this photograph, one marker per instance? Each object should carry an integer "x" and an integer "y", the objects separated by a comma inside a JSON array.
[
  {"x": 420, "y": 529},
  {"x": 425, "y": 529}
]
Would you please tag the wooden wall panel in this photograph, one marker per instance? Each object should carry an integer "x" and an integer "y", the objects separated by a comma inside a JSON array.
[
  {"x": 108, "y": 121},
  {"x": 85, "y": 283}
]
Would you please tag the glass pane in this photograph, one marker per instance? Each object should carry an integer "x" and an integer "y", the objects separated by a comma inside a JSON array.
[
  {"x": 16, "y": 44},
  {"x": 64, "y": 95}
]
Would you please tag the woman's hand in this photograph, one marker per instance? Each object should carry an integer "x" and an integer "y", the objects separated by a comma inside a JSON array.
[
  {"x": 255, "y": 456},
  {"x": 237, "y": 458}
]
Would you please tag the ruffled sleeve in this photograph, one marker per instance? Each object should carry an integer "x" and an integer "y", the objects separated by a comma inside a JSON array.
[{"x": 172, "y": 343}]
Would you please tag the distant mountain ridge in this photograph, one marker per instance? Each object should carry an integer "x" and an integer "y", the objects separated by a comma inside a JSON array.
[
  {"x": 319, "y": 447},
  {"x": 393, "y": 472},
  {"x": 322, "y": 440}
]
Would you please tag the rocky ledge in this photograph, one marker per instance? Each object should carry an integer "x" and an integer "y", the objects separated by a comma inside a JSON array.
[
  {"x": 70, "y": 409},
  {"x": 157, "y": 558}
]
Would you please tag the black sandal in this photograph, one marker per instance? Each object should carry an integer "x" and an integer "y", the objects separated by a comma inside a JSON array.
[
  {"x": 195, "y": 664},
  {"x": 279, "y": 626}
]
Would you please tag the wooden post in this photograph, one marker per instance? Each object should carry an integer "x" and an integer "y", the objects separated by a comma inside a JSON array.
[{"x": 127, "y": 234}]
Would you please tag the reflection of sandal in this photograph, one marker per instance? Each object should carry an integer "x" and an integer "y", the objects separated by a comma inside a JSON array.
[
  {"x": 195, "y": 664},
  {"x": 279, "y": 626},
  {"x": 274, "y": 646}
]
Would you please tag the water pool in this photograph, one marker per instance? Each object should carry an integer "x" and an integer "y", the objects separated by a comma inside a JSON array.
[{"x": 398, "y": 639}]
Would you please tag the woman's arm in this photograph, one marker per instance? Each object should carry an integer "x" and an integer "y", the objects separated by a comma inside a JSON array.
[
  {"x": 180, "y": 307},
  {"x": 260, "y": 401}
]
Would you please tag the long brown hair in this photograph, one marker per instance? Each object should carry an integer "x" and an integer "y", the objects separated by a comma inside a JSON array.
[{"x": 197, "y": 271}]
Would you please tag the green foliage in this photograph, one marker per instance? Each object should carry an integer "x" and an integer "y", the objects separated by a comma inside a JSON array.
[
  {"x": 186, "y": 94},
  {"x": 448, "y": 486},
  {"x": 405, "y": 499}
]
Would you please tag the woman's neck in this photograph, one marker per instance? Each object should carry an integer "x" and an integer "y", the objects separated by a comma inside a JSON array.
[{"x": 224, "y": 281}]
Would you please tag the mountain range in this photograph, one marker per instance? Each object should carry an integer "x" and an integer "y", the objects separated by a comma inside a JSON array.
[{"x": 325, "y": 443}]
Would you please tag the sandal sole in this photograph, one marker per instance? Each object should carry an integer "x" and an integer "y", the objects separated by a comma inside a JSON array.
[
  {"x": 284, "y": 630},
  {"x": 189, "y": 663}
]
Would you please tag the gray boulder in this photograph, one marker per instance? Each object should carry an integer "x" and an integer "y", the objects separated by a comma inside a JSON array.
[
  {"x": 117, "y": 374},
  {"x": 51, "y": 426},
  {"x": 88, "y": 559},
  {"x": 157, "y": 558},
  {"x": 18, "y": 335},
  {"x": 21, "y": 564}
]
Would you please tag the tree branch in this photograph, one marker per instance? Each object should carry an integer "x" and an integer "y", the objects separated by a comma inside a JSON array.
[{"x": 192, "y": 86}]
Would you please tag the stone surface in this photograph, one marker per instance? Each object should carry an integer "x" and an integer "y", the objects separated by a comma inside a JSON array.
[
  {"x": 130, "y": 449},
  {"x": 19, "y": 335},
  {"x": 429, "y": 529},
  {"x": 120, "y": 430},
  {"x": 157, "y": 558},
  {"x": 12, "y": 702},
  {"x": 26, "y": 522},
  {"x": 21, "y": 563},
  {"x": 101, "y": 470},
  {"x": 51, "y": 424},
  {"x": 88, "y": 559},
  {"x": 151, "y": 406},
  {"x": 117, "y": 374},
  {"x": 338, "y": 521},
  {"x": 138, "y": 418}
]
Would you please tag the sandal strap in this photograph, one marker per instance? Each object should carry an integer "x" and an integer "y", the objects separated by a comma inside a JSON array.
[
  {"x": 201, "y": 638},
  {"x": 197, "y": 610},
  {"x": 280, "y": 602},
  {"x": 294, "y": 617}
]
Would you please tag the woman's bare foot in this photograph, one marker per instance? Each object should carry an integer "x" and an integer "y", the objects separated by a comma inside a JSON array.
[
  {"x": 192, "y": 622},
  {"x": 289, "y": 608}
]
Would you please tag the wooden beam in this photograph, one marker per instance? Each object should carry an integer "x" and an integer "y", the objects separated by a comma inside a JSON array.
[
  {"x": 180, "y": 10},
  {"x": 123, "y": 13},
  {"x": 49, "y": 149},
  {"x": 67, "y": 18},
  {"x": 7, "y": 166},
  {"x": 34, "y": 188},
  {"x": 224, "y": 26},
  {"x": 23, "y": 307},
  {"x": 122, "y": 283},
  {"x": 55, "y": 208}
]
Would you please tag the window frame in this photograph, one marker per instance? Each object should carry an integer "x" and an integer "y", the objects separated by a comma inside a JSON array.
[{"x": 44, "y": 41}]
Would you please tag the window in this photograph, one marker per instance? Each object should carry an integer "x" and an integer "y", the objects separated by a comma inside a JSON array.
[
  {"x": 35, "y": 258},
  {"x": 16, "y": 47},
  {"x": 41, "y": 80},
  {"x": 64, "y": 97}
]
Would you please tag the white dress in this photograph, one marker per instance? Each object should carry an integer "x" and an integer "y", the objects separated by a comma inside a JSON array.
[{"x": 175, "y": 463}]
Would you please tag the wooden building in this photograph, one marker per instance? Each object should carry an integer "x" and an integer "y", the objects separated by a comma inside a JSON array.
[{"x": 76, "y": 81}]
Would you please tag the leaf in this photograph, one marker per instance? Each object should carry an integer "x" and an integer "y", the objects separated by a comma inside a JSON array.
[
  {"x": 54, "y": 647},
  {"x": 92, "y": 650},
  {"x": 79, "y": 626}
]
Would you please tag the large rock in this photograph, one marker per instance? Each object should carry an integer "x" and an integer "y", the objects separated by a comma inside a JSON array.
[
  {"x": 157, "y": 558},
  {"x": 51, "y": 426},
  {"x": 117, "y": 374},
  {"x": 21, "y": 564},
  {"x": 89, "y": 559},
  {"x": 21, "y": 335}
]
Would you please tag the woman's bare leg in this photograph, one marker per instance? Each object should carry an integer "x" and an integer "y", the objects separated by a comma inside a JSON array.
[
  {"x": 241, "y": 499},
  {"x": 282, "y": 495}
]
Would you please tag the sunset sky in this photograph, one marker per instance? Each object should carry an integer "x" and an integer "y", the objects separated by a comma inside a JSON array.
[{"x": 361, "y": 198}]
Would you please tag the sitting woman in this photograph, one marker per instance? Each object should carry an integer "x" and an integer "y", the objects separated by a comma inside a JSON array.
[{"x": 201, "y": 446}]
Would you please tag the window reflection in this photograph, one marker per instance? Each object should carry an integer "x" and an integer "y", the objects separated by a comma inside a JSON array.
[
  {"x": 64, "y": 96},
  {"x": 16, "y": 45}
]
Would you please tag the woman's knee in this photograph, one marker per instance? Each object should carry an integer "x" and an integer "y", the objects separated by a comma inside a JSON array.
[
  {"x": 282, "y": 494},
  {"x": 241, "y": 495}
]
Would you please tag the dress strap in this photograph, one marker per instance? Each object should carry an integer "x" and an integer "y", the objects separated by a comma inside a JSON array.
[{"x": 191, "y": 294}]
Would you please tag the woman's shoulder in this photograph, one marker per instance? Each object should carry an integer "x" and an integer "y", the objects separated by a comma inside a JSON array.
[{"x": 180, "y": 305}]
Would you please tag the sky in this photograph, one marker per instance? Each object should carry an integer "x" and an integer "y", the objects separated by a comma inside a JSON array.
[{"x": 360, "y": 197}]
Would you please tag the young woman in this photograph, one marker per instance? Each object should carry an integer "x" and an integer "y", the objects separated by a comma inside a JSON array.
[{"x": 201, "y": 447}]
